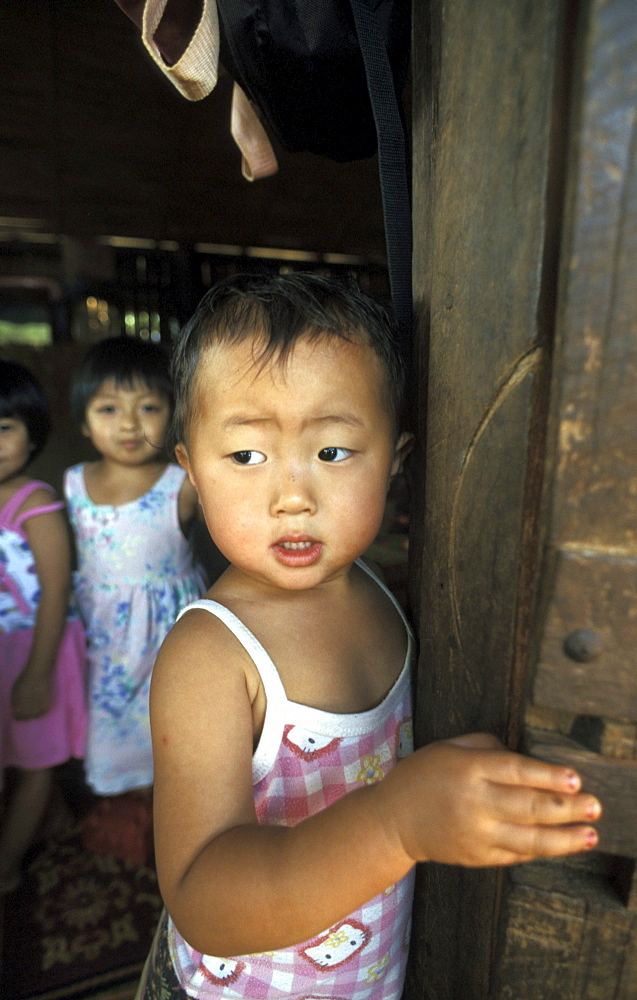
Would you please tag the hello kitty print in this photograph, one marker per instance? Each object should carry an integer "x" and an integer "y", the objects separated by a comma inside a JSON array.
[{"x": 340, "y": 945}]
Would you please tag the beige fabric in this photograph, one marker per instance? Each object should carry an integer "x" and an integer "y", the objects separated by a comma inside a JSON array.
[
  {"x": 195, "y": 74},
  {"x": 258, "y": 157}
]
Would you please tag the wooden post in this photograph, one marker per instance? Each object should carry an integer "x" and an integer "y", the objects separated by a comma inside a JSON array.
[
  {"x": 488, "y": 176},
  {"x": 524, "y": 550}
]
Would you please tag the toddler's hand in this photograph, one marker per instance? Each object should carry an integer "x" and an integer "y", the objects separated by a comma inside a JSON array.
[
  {"x": 30, "y": 697},
  {"x": 469, "y": 801}
]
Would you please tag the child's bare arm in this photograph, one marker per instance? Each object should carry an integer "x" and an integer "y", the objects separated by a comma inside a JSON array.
[
  {"x": 49, "y": 542},
  {"x": 235, "y": 887}
]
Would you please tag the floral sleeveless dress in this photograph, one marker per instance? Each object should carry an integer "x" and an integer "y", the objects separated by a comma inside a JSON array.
[{"x": 136, "y": 571}]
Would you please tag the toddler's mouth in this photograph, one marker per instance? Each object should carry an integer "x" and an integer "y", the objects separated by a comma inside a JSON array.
[{"x": 297, "y": 552}]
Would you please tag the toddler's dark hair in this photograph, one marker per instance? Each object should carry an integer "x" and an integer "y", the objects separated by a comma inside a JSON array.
[
  {"x": 22, "y": 396},
  {"x": 125, "y": 360},
  {"x": 283, "y": 308}
]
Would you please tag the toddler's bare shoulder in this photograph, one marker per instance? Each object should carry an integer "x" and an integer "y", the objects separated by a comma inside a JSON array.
[{"x": 200, "y": 646}]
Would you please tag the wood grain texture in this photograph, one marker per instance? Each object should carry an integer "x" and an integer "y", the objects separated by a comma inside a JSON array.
[
  {"x": 613, "y": 781},
  {"x": 596, "y": 469},
  {"x": 589, "y": 578},
  {"x": 597, "y": 592},
  {"x": 525, "y": 260},
  {"x": 565, "y": 943},
  {"x": 481, "y": 185}
]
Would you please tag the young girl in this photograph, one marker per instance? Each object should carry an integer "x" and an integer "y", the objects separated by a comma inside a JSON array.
[
  {"x": 131, "y": 511},
  {"x": 42, "y": 648},
  {"x": 289, "y": 813}
]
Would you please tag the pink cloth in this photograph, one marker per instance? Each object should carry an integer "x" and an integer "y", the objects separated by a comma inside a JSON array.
[
  {"x": 305, "y": 760},
  {"x": 61, "y": 733}
]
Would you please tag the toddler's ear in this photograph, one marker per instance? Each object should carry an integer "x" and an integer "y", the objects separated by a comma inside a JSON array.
[
  {"x": 181, "y": 454},
  {"x": 403, "y": 446}
]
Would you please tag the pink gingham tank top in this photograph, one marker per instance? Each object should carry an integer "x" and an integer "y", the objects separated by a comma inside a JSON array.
[{"x": 305, "y": 760}]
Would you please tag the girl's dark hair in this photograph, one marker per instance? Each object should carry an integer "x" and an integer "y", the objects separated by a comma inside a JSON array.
[
  {"x": 125, "y": 360},
  {"x": 21, "y": 396},
  {"x": 282, "y": 309}
]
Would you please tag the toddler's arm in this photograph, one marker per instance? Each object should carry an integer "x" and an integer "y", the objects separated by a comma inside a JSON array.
[
  {"x": 235, "y": 887},
  {"x": 49, "y": 541}
]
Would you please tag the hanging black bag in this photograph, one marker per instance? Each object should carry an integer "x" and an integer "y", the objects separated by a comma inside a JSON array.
[
  {"x": 327, "y": 76},
  {"x": 300, "y": 62}
]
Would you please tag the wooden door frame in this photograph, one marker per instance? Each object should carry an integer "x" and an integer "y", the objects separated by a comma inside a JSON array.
[{"x": 499, "y": 106}]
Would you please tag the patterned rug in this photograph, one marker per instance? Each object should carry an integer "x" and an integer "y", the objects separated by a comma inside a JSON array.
[{"x": 78, "y": 926}]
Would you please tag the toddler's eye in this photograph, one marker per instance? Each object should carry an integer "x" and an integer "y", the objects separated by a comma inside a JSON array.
[
  {"x": 150, "y": 408},
  {"x": 334, "y": 454},
  {"x": 248, "y": 457}
]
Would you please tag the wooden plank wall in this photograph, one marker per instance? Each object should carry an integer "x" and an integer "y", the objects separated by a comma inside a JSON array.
[
  {"x": 582, "y": 707},
  {"x": 524, "y": 533},
  {"x": 484, "y": 91}
]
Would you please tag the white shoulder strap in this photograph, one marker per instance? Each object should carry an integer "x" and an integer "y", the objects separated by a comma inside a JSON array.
[
  {"x": 272, "y": 733},
  {"x": 383, "y": 586}
]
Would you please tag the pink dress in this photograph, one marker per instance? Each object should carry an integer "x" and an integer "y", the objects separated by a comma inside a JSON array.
[{"x": 61, "y": 733}]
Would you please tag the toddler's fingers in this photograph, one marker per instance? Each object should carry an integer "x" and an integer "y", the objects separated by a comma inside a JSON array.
[
  {"x": 530, "y": 806},
  {"x": 515, "y": 769},
  {"x": 527, "y": 843},
  {"x": 512, "y": 768}
]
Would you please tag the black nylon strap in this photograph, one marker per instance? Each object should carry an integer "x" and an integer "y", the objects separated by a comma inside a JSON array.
[{"x": 392, "y": 160}]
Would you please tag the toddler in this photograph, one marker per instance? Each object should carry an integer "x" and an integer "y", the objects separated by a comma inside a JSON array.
[
  {"x": 42, "y": 645},
  {"x": 290, "y": 810},
  {"x": 131, "y": 511}
]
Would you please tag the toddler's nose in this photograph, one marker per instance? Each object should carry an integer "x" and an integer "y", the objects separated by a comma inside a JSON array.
[{"x": 293, "y": 494}]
